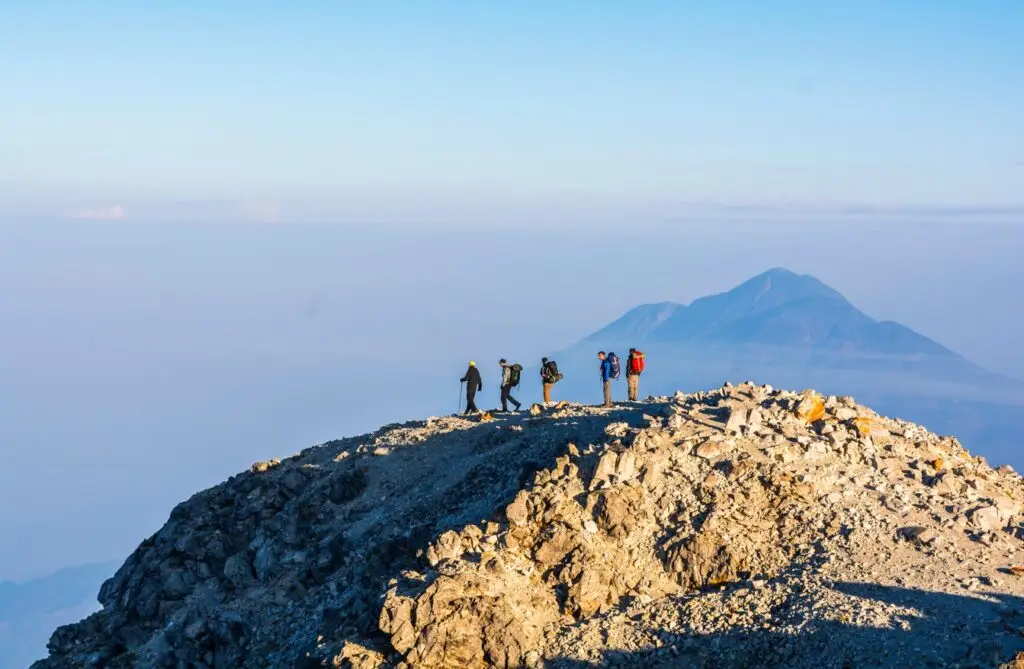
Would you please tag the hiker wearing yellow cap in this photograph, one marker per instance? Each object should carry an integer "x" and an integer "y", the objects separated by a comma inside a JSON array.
[{"x": 473, "y": 384}]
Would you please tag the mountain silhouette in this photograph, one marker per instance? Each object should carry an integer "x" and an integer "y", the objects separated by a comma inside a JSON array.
[{"x": 777, "y": 308}]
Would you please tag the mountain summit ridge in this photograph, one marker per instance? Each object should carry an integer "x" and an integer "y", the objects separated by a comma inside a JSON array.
[{"x": 744, "y": 526}]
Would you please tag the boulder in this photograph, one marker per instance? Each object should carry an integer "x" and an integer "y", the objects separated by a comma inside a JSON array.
[{"x": 811, "y": 408}]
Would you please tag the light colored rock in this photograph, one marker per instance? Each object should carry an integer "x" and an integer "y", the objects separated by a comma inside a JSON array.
[
  {"x": 986, "y": 518},
  {"x": 709, "y": 450}
]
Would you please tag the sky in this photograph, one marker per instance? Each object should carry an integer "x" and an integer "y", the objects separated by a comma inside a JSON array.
[
  {"x": 264, "y": 111},
  {"x": 229, "y": 231}
]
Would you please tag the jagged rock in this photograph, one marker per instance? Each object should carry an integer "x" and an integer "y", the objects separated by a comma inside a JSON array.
[
  {"x": 986, "y": 518},
  {"x": 468, "y": 620},
  {"x": 554, "y": 543},
  {"x": 447, "y": 547},
  {"x": 536, "y": 410},
  {"x": 356, "y": 656},
  {"x": 265, "y": 466},
  {"x": 811, "y": 408},
  {"x": 867, "y": 426}
]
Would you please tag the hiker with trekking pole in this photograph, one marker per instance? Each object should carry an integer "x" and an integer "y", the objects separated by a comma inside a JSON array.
[{"x": 474, "y": 384}]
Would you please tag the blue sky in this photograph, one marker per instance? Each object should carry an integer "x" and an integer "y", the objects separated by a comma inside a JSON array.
[
  {"x": 876, "y": 145},
  {"x": 266, "y": 110}
]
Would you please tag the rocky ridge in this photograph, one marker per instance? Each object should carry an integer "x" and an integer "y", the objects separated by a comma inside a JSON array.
[{"x": 741, "y": 527}]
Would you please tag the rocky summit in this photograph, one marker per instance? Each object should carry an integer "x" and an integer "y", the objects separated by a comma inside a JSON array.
[{"x": 741, "y": 527}]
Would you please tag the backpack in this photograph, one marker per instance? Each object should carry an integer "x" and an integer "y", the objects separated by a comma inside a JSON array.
[
  {"x": 636, "y": 363},
  {"x": 613, "y": 360},
  {"x": 551, "y": 374},
  {"x": 513, "y": 374}
]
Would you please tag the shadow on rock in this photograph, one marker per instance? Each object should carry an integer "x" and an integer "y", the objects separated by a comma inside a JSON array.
[{"x": 937, "y": 630}]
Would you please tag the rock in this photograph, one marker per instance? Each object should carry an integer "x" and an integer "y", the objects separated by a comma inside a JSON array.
[
  {"x": 518, "y": 512},
  {"x": 922, "y": 536},
  {"x": 845, "y": 413},
  {"x": 238, "y": 571},
  {"x": 554, "y": 543},
  {"x": 625, "y": 466},
  {"x": 866, "y": 426},
  {"x": 356, "y": 656},
  {"x": 606, "y": 467},
  {"x": 265, "y": 466},
  {"x": 468, "y": 620},
  {"x": 986, "y": 518},
  {"x": 709, "y": 450},
  {"x": 536, "y": 410},
  {"x": 447, "y": 547},
  {"x": 737, "y": 420},
  {"x": 811, "y": 408}
]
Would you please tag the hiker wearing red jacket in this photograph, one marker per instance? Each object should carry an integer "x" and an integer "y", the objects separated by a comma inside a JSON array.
[{"x": 634, "y": 368}]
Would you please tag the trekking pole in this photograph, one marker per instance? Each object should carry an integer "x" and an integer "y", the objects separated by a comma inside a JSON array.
[{"x": 458, "y": 407}]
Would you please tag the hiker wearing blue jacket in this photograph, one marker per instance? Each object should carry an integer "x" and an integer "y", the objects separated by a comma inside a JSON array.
[{"x": 606, "y": 377}]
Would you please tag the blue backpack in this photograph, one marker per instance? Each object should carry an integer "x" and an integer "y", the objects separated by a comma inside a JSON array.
[{"x": 614, "y": 362}]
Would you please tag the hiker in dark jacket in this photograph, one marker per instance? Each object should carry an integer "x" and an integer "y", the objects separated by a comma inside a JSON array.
[
  {"x": 507, "y": 383},
  {"x": 473, "y": 384},
  {"x": 549, "y": 376},
  {"x": 606, "y": 377}
]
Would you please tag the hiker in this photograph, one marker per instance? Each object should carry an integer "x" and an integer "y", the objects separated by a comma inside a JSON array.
[
  {"x": 606, "y": 377},
  {"x": 473, "y": 384},
  {"x": 634, "y": 368},
  {"x": 549, "y": 376},
  {"x": 509, "y": 380}
]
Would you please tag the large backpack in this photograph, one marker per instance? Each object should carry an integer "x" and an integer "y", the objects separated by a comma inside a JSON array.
[
  {"x": 636, "y": 363},
  {"x": 615, "y": 370},
  {"x": 551, "y": 374},
  {"x": 513, "y": 374}
]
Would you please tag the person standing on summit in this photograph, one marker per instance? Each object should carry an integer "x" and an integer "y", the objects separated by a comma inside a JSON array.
[
  {"x": 549, "y": 376},
  {"x": 606, "y": 377},
  {"x": 473, "y": 384},
  {"x": 634, "y": 368}
]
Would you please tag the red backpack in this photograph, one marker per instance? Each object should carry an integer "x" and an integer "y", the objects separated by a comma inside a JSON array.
[{"x": 636, "y": 363}]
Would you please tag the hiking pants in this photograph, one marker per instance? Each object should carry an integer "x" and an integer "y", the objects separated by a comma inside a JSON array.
[
  {"x": 470, "y": 404},
  {"x": 633, "y": 380},
  {"x": 608, "y": 393},
  {"x": 506, "y": 397},
  {"x": 547, "y": 393}
]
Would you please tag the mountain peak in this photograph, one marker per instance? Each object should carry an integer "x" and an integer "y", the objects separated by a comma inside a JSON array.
[
  {"x": 465, "y": 542},
  {"x": 777, "y": 307},
  {"x": 785, "y": 285}
]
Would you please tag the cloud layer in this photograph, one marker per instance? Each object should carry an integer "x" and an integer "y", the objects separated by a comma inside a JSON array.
[{"x": 112, "y": 213}]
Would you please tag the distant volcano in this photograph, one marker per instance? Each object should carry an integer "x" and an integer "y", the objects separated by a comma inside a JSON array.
[{"x": 779, "y": 308}]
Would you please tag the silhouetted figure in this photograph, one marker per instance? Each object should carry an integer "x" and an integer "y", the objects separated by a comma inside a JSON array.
[{"x": 473, "y": 384}]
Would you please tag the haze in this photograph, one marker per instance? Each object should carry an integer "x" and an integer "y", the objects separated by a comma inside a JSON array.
[{"x": 228, "y": 233}]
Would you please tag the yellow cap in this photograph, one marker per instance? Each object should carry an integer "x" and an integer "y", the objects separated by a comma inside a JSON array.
[{"x": 471, "y": 363}]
